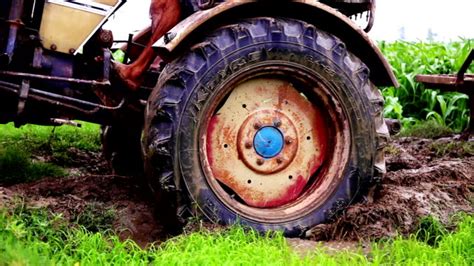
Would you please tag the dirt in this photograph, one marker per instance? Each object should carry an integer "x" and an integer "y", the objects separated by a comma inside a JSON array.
[
  {"x": 135, "y": 215},
  {"x": 419, "y": 182}
]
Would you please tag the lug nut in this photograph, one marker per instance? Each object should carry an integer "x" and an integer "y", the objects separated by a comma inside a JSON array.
[
  {"x": 277, "y": 123},
  {"x": 257, "y": 126},
  {"x": 279, "y": 160},
  {"x": 260, "y": 161},
  {"x": 248, "y": 144},
  {"x": 288, "y": 140}
]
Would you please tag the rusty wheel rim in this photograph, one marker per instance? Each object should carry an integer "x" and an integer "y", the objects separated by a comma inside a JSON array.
[{"x": 307, "y": 135}]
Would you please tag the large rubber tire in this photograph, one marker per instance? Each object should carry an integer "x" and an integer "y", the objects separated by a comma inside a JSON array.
[{"x": 189, "y": 87}]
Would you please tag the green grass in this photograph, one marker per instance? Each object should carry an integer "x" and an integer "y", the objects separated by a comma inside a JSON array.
[
  {"x": 21, "y": 147},
  {"x": 36, "y": 237},
  {"x": 459, "y": 148},
  {"x": 16, "y": 166},
  {"x": 429, "y": 129},
  {"x": 35, "y": 138}
]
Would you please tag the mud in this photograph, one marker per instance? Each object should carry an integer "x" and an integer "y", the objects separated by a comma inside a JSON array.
[
  {"x": 135, "y": 215},
  {"x": 419, "y": 182}
]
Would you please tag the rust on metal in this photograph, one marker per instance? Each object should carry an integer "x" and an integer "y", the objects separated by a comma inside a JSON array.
[{"x": 266, "y": 182}]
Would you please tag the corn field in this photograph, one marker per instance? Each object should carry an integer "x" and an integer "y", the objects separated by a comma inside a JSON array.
[{"x": 412, "y": 102}]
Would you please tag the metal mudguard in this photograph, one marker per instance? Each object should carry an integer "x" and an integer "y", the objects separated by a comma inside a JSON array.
[{"x": 314, "y": 12}]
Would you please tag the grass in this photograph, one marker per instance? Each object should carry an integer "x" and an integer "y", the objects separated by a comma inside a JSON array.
[
  {"x": 16, "y": 166},
  {"x": 35, "y": 138},
  {"x": 429, "y": 129},
  {"x": 35, "y": 237},
  {"x": 460, "y": 148},
  {"x": 23, "y": 149}
]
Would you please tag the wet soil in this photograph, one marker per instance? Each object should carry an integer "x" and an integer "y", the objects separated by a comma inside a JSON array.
[{"x": 419, "y": 182}]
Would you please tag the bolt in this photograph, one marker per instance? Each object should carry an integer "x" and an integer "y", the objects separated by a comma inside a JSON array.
[
  {"x": 53, "y": 47},
  {"x": 279, "y": 160},
  {"x": 277, "y": 122},
  {"x": 288, "y": 140},
  {"x": 257, "y": 125},
  {"x": 72, "y": 50},
  {"x": 260, "y": 161},
  {"x": 248, "y": 144}
]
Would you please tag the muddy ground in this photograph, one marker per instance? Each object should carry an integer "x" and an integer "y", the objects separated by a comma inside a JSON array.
[{"x": 425, "y": 177}]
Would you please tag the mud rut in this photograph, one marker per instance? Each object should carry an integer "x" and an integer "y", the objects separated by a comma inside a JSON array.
[{"x": 418, "y": 183}]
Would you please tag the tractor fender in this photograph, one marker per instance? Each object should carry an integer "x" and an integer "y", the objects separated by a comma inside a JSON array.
[{"x": 320, "y": 15}]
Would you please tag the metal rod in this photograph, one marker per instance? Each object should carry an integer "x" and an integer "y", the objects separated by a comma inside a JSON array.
[
  {"x": 464, "y": 67},
  {"x": 14, "y": 19},
  {"x": 44, "y": 77},
  {"x": 57, "y": 97}
]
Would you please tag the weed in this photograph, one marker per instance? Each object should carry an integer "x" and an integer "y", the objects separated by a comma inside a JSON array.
[
  {"x": 426, "y": 129},
  {"x": 96, "y": 217},
  {"x": 459, "y": 148},
  {"x": 17, "y": 167},
  {"x": 48, "y": 139},
  {"x": 430, "y": 231},
  {"x": 35, "y": 237},
  {"x": 392, "y": 150}
]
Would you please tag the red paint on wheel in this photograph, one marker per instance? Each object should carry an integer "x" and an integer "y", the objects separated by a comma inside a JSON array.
[
  {"x": 291, "y": 193},
  {"x": 210, "y": 132}
]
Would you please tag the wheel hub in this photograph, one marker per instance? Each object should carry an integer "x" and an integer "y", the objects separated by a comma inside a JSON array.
[
  {"x": 268, "y": 142},
  {"x": 265, "y": 142}
]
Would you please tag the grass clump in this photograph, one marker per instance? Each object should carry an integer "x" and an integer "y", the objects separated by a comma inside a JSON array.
[
  {"x": 96, "y": 217},
  {"x": 17, "y": 167},
  {"x": 429, "y": 129},
  {"x": 430, "y": 231},
  {"x": 459, "y": 148}
]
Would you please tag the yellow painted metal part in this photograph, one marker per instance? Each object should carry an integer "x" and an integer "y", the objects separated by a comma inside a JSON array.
[{"x": 65, "y": 29}]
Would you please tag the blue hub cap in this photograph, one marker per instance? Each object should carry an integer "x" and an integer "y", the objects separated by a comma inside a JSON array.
[{"x": 268, "y": 142}]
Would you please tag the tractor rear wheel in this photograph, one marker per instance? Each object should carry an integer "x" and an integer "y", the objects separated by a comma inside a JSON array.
[{"x": 270, "y": 123}]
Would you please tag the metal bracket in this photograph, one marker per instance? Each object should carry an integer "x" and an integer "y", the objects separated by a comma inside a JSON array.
[
  {"x": 106, "y": 64},
  {"x": 23, "y": 95}
]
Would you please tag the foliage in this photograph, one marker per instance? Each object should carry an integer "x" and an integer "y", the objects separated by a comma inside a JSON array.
[
  {"x": 95, "y": 217},
  {"x": 35, "y": 138},
  {"x": 426, "y": 129},
  {"x": 23, "y": 150},
  {"x": 459, "y": 148},
  {"x": 17, "y": 167},
  {"x": 412, "y": 102},
  {"x": 430, "y": 231},
  {"x": 35, "y": 237}
]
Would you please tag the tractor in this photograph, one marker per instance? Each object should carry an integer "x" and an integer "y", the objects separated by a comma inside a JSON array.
[{"x": 263, "y": 113}]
